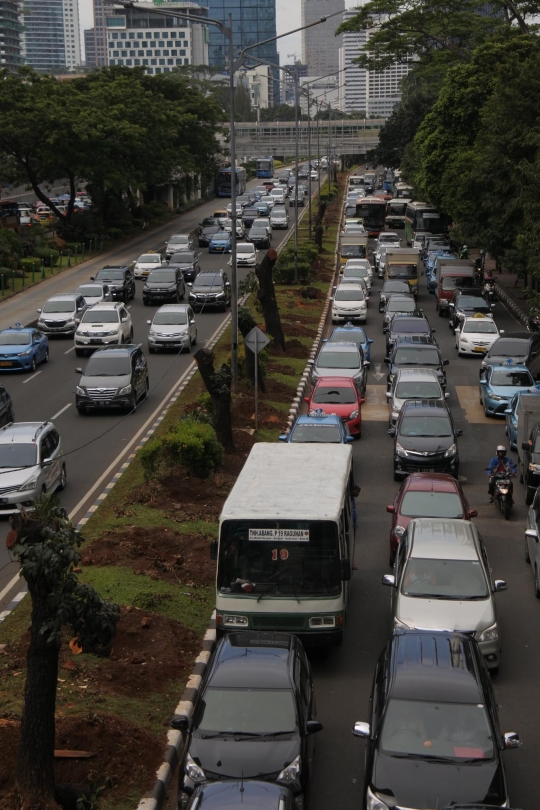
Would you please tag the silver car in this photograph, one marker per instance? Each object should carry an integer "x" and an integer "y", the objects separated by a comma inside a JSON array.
[
  {"x": 532, "y": 542},
  {"x": 173, "y": 327},
  {"x": 442, "y": 581},
  {"x": 341, "y": 360},
  {"x": 32, "y": 464},
  {"x": 94, "y": 293},
  {"x": 279, "y": 217},
  {"x": 179, "y": 242},
  {"x": 62, "y": 314},
  {"x": 412, "y": 383}
]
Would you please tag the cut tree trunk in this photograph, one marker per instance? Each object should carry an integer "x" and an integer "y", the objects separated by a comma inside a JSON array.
[
  {"x": 218, "y": 385},
  {"x": 246, "y": 322},
  {"x": 267, "y": 297}
]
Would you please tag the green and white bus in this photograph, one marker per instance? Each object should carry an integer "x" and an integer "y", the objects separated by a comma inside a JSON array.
[
  {"x": 286, "y": 543},
  {"x": 423, "y": 218}
]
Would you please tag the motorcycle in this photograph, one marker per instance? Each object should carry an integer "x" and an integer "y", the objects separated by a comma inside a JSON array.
[
  {"x": 503, "y": 493},
  {"x": 489, "y": 291},
  {"x": 533, "y": 324}
]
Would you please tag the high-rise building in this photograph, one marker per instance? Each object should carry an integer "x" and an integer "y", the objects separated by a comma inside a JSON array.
[
  {"x": 101, "y": 10},
  {"x": 320, "y": 46},
  {"x": 90, "y": 48},
  {"x": 137, "y": 37},
  {"x": 10, "y": 35},
  {"x": 252, "y": 21},
  {"x": 51, "y": 37}
]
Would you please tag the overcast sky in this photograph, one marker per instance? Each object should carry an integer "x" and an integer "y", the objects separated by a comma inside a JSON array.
[{"x": 288, "y": 18}]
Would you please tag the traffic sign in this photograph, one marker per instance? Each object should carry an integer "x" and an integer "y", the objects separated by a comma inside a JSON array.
[{"x": 256, "y": 340}]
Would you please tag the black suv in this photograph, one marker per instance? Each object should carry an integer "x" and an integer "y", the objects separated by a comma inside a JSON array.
[
  {"x": 522, "y": 348},
  {"x": 114, "y": 377},
  {"x": 249, "y": 215},
  {"x": 417, "y": 351},
  {"x": 395, "y": 287},
  {"x": 119, "y": 279},
  {"x": 188, "y": 262},
  {"x": 253, "y": 718},
  {"x": 425, "y": 439},
  {"x": 206, "y": 233},
  {"x": 434, "y": 738},
  {"x": 403, "y": 325},
  {"x": 210, "y": 289},
  {"x": 467, "y": 302},
  {"x": 259, "y": 236},
  {"x": 165, "y": 284}
]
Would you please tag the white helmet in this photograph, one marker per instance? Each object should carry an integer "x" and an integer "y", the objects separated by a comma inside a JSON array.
[{"x": 501, "y": 448}]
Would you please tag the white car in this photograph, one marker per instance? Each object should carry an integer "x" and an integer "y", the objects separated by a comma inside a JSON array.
[
  {"x": 270, "y": 201},
  {"x": 349, "y": 304},
  {"x": 246, "y": 255},
  {"x": 177, "y": 243},
  {"x": 102, "y": 325},
  {"x": 263, "y": 222},
  {"x": 476, "y": 335},
  {"x": 412, "y": 383},
  {"x": 360, "y": 268},
  {"x": 146, "y": 263},
  {"x": 94, "y": 293},
  {"x": 173, "y": 327},
  {"x": 278, "y": 195},
  {"x": 240, "y": 230},
  {"x": 279, "y": 218},
  {"x": 385, "y": 240}
]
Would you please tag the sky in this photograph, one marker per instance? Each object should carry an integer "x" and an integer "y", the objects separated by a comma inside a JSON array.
[{"x": 288, "y": 17}]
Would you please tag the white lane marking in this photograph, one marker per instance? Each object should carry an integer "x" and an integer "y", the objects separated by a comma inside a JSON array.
[
  {"x": 62, "y": 411},
  {"x": 70, "y": 350},
  {"x": 10, "y": 585},
  {"x": 33, "y": 377},
  {"x": 378, "y": 374}
]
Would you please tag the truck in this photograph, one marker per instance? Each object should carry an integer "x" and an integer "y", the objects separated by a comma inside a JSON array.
[
  {"x": 353, "y": 247},
  {"x": 462, "y": 270},
  {"x": 528, "y": 442},
  {"x": 403, "y": 264}
]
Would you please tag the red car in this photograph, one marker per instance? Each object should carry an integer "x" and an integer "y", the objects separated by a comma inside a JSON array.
[
  {"x": 338, "y": 395},
  {"x": 435, "y": 495}
]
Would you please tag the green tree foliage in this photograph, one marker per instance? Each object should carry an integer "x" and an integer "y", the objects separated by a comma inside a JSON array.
[{"x": 190, "y": 444}]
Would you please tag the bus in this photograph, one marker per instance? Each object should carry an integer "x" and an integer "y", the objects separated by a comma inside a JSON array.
[
  {"x": 403, "y": 191},
  {"x": 421, "y": 217},
  {"x": 286, "y": 543},
  {"x": 224, "y": 182},
  {"x": 9, "y": 215},
  {"x": 372, "y": 211},
  {"x": 395, "y": 213},
  {"x": 264, "y": 167}
]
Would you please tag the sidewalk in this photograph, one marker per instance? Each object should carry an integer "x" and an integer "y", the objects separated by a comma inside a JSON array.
[{"x": 512, "y": 296}]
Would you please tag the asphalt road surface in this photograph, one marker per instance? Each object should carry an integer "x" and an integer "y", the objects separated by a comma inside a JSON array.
[{"x": 343, "y": 679}]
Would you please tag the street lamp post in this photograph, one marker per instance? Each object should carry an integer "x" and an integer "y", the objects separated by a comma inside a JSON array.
[{"x": 296, "y": 101}]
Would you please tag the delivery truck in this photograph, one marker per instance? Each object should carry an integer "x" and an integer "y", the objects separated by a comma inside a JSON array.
[
  {"x": 450, "y": 274},
  {"x": 403, "y": 264},
  {"x": 528, "y": 442}
]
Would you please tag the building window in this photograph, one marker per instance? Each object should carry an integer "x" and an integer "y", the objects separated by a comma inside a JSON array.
[
  {"x": 186, "y": 44},
  {"x": 173, "y": 35},
  {"x": 150, "y": 70},
  {"x": 182, "y": 52},
  {"x": 174, "y": 53},
  {"x": 170, "y": 61},
  {"x": 115, "y": 36},
  {"x": 145, "y": 61},
  {"x": 131, "y": 35},
  {"x": 157, "y": 53},
  {"x": 153, "y": 61},
  {"x": 115, "y": 22},
  {"x": 112, "y": 61},
  {"x": 116, "y": 53},
  {"x": 120, "y": 61},
  {"x": 144, "y": 45},
  {"x": 162, "y": 61},
  {"x": 124, "y": 53},
  {"x": 156, "y": 34},
  {"x": 140, "y": 53},
  {"x": 137, "y": 61},
  {"x": 123, "y": 36},
  {"x": 132, "y": 53},
  {"x": 129, "y": 62},
  {"x": 166, "y": 70},
  {"x": 140, "y": 36},
  {"x": 181, "y": 34},
  {"x": 158, "y": 70},
  {"x": 149, "y": 53},
  {"x": 170, "y": 44},
  {"x": 178, "y": 61},
  {"x": 186, "y": 61},
  {"x": 165, "y": 53}
]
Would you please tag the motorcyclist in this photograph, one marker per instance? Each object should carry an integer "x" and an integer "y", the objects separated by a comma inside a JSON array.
[
  {"x": 499, "y": 464},
  {"x": 534, "y": 317},
  {"x": 488, "y": 276}
]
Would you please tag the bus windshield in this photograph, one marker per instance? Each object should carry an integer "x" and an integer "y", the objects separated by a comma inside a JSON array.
[
  {"x": 402, "y": 271},
  {"x": 279, "y": 558},
  {"x": 373, "y": 214}
]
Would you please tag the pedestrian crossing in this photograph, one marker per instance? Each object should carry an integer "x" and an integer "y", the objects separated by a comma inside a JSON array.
[{"x": 375, "y": 408}]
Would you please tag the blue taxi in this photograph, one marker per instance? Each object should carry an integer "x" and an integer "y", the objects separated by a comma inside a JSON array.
[
  {"x": 500, "y": 384},
  {"x": 320, "y": 428},
  {"x": 352, "y": 334},
  {"x": 22, "y": 348},
  {"x": 220, "y": 242}
]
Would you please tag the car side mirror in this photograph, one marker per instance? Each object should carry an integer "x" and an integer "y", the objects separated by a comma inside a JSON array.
[
  {"x": 388, "y": 395},
  {"x": 500, "y": 585},
  {"x": 370, "y": 340},
  {"x": 46, "y": 462},
  {"x": 532, "y": 534},
  {"x": 311, "y": 362},
  {"x": 508, "y": 410},
  {"x": 306, "y": 399},
  {"x": 511, "y": 740},
  {"x": 482, "y": 382},
  {"x": 387, "y": 360},
  {"x": 192, "y": 321},
  {"x": 391, "y": 508},
  {"x": 213, "y": 550},
  {"x": 92, "y": 278},
  {"x": 446, "y": 362},
  {"x": 78, "y": 371},
  {"x": 501, "y": 331},
  {"x": 390, "y": 580},
  {"x": 180, "y": 723},
  {"x": 472, "y": 513},
  {"x": 361, "y": 400},
  {"x": 349, "y": 439},
  {"x": 392, "y": 431},
  {"x": 313, "y": 726},
  {"x": 459, "y": 432},
  {"x": 283, "y": 437},
  {"x": 361, "y": 730},
  {"x": 190, "y": 284},
  {"x": 345, "y": 568},
  {"x": 148, "y": 322}
]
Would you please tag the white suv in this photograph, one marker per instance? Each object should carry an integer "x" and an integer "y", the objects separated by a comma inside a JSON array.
[
  {"x": 146, "y": 263},
  {"x": 103, "y": 324},
  {"x": 246, "y": 254}
]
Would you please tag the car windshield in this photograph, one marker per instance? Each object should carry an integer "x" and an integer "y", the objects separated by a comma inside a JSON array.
[
  {"x": 307, "y": 560},
  {"x": 320, "y": 433},
  {"x": 258, "y": 232},
  {"x": 510, "y": 348},
  {"x": 334, "y": 395},
  {"x": 244, "y": 249},
  {"x": 18, "y": 455},
  {"x": 90, "y": 291},
  {"x": 208, "y": 280},
  {"x": 180, "y": 239},
  {"x": 15, "y": 338},
  {"x": 411, "y": 326},
  {"x": 59, "y": 306},
  {"x": 170, "y": 318},
  {"x": 396, "y": 287},
  {"x": 401, "y": 305},
  {"x": 511, "y": 378},
  {"x": 246, "y": 711},
  {"x": 413, "y": 356},
  {"x": 444, "y": 579},
  {"x": 388, "y": 239},
  {"x": 100, "y": 316},
  {"x": 424, "y": 729},
  {"x": 187, "y": 257},
  {"x": 103, "y": 366},
  {"x": 329, "y": 359},
  {"x": 472, "y": 302},
  {"x": 418, "y": 390},
  {"x": 426, "y": 426},
  {"x": 350, "y": 251},
  {"x": 485, "y": 327},
  {"x": 356, "y": 336},
  {"x": 349, "y": 295},
  {"x": 403, "y": 271},
  {"x": 110, "y": 275},
  {"x": 151, "y": 258},
  {"x": 431, "y": 504},
  {"x": 221, "y": 236},
  {"x": 356, "y": 272},
  {"x": 162, "y": 275}
]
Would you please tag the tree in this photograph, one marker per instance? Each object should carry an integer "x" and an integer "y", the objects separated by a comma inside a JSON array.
[
  {"x": 45, "y": 545},
  {"x": 246, "y": 322},
  {"x": 218, "y": 384},
  {"x": 267, "y": 298}
]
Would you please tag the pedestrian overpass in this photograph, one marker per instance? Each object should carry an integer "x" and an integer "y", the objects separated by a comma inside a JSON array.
[{"x": 341, "y": 137}]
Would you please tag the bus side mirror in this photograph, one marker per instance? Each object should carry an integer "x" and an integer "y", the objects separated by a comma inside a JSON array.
[
  {"x": 213, "y": 550},
  {"x": 345, "y": 569}
]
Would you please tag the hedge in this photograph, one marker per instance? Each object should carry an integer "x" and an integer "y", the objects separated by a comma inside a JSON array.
[
  {"x": 190, "y": 444},
  {"x": 47, "y": 254},
  {"x": 284, "y": 267}
]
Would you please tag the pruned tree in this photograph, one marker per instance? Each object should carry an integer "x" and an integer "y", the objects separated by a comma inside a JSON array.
[
  {"x": 46, "y": 546},
  {"x": 218, "y": 385},
  {"x": 267, "y": 298},
  {"x": 246, "y": 322}
]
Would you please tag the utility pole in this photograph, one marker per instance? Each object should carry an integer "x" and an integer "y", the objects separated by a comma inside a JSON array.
[
  {"x": 234, "y": 278},
  {"x": 296, "y": 174},
  {"x": 309, "y": 161}
]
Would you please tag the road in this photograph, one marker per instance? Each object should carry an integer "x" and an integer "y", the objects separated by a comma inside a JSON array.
[
  {"x": 96, "y": 445},
  {"x": 343, "y": 679}
]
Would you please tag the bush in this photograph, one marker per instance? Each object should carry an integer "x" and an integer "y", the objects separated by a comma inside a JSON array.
[
  {"x": 8, "y": 273},
  {"x": 73, "y": 246},
  {"x": 47, "y": 254},
  {"x": 190, "y": 444},
  {"x": 115, "y": 233},
  {"x": 29, "y": 263},
  {"x": 284, "y": 267}
]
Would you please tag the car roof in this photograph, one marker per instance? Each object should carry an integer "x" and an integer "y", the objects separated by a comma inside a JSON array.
[
  {"x": 417, "y": 374},
  {"x": 107, "y": 305},
  {"x": 257, "y": 660},
  {"x": 22, "y": 431},
  {"x": 25, "y": 329},
  {"x": 448, "y": 539},
  {"x": 509, "y": 367},
  {"x": 341, "y": 347},
  {"x": 425, "y": 407},
  {"x": 418, "y": 341},
  {"x": 517, "y": 336},
  {"x": 431, "y": 482},
  {"x": 434, "y": 666},
  {"x": 173, "y": 308},
  {"x": 116, "y": 350},
  {"x": 329, "y": 418},
  {"x": 64, "y": 297},
  {"x": 114, "y": 267},
  {"x": 349, "y": 328},
  {"x": 346, "y": 382}
]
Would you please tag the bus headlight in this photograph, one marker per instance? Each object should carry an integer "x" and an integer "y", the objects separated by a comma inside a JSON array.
[
  {"x": 322, "y": 621},
  {"x": 235, "y": 621}
]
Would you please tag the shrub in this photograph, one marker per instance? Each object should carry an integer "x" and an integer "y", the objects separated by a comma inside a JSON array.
[
  {"x": 47, "y": 254},
  {"x": 284, "y": 267},
  {"x": 29, "y": 263},
  {"x": 73, "y": 246},
  {"x": 190, "y": 444},
  {"x": 115, "y": 233}
]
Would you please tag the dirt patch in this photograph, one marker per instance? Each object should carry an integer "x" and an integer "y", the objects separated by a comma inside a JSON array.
[
  {"x": 123, "y": 752},
  {"x": 244, "y": 410}
]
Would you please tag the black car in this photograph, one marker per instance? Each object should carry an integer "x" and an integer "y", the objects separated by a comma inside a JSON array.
[
  {"x": 249, "y": 215},
  {"x": 206, "y": 233},
  {"x": 247, "y": 794},
  {"x": 467, "y": 302},
  {"x": 425, "y": 439},
  {"x": 208, "y": 221},
  {"x": 187, "y": 262},
  {"x": 406, "y": 326},
  {"x": 6, "y": 407},
  {"x": 254, "y": 715},
  {"x": 522, "y": 348},
  {"x": 395, "y": 287},
  {"x": 398, "y": 302},
  {"x": 259, "y": 236},
  {"x": 119, "y": 279},
  {"x": 114, "y": 377},
  {"x": 211, "y": 288},
  {"x": 165, "y": 284},
  {"x": 434, "y": 738},
  {"x": 416, "y": 352}
]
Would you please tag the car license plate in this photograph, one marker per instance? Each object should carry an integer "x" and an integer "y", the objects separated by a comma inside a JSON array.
[
  {"x": 6, "y": 363},
  {"x": 479, "y": 348},
  {"x": 429, "y": 469},
  {"x": 95, "y": 341}
]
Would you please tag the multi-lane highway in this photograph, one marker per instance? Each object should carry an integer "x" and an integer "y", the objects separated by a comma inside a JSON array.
[{"x": 343, "y": 679}]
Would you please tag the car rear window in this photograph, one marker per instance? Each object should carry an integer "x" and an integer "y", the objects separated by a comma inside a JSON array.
[
  {"x": 510, "y": 377},
  {"x": 334, "y": 395},
  {"x": 415, "y": 326},
  {"x": 510, "y": 348},
  {"x": 431, "y": 504}
]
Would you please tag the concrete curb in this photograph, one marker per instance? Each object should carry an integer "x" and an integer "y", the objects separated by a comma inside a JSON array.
[{"x": 516, "y": 311}]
